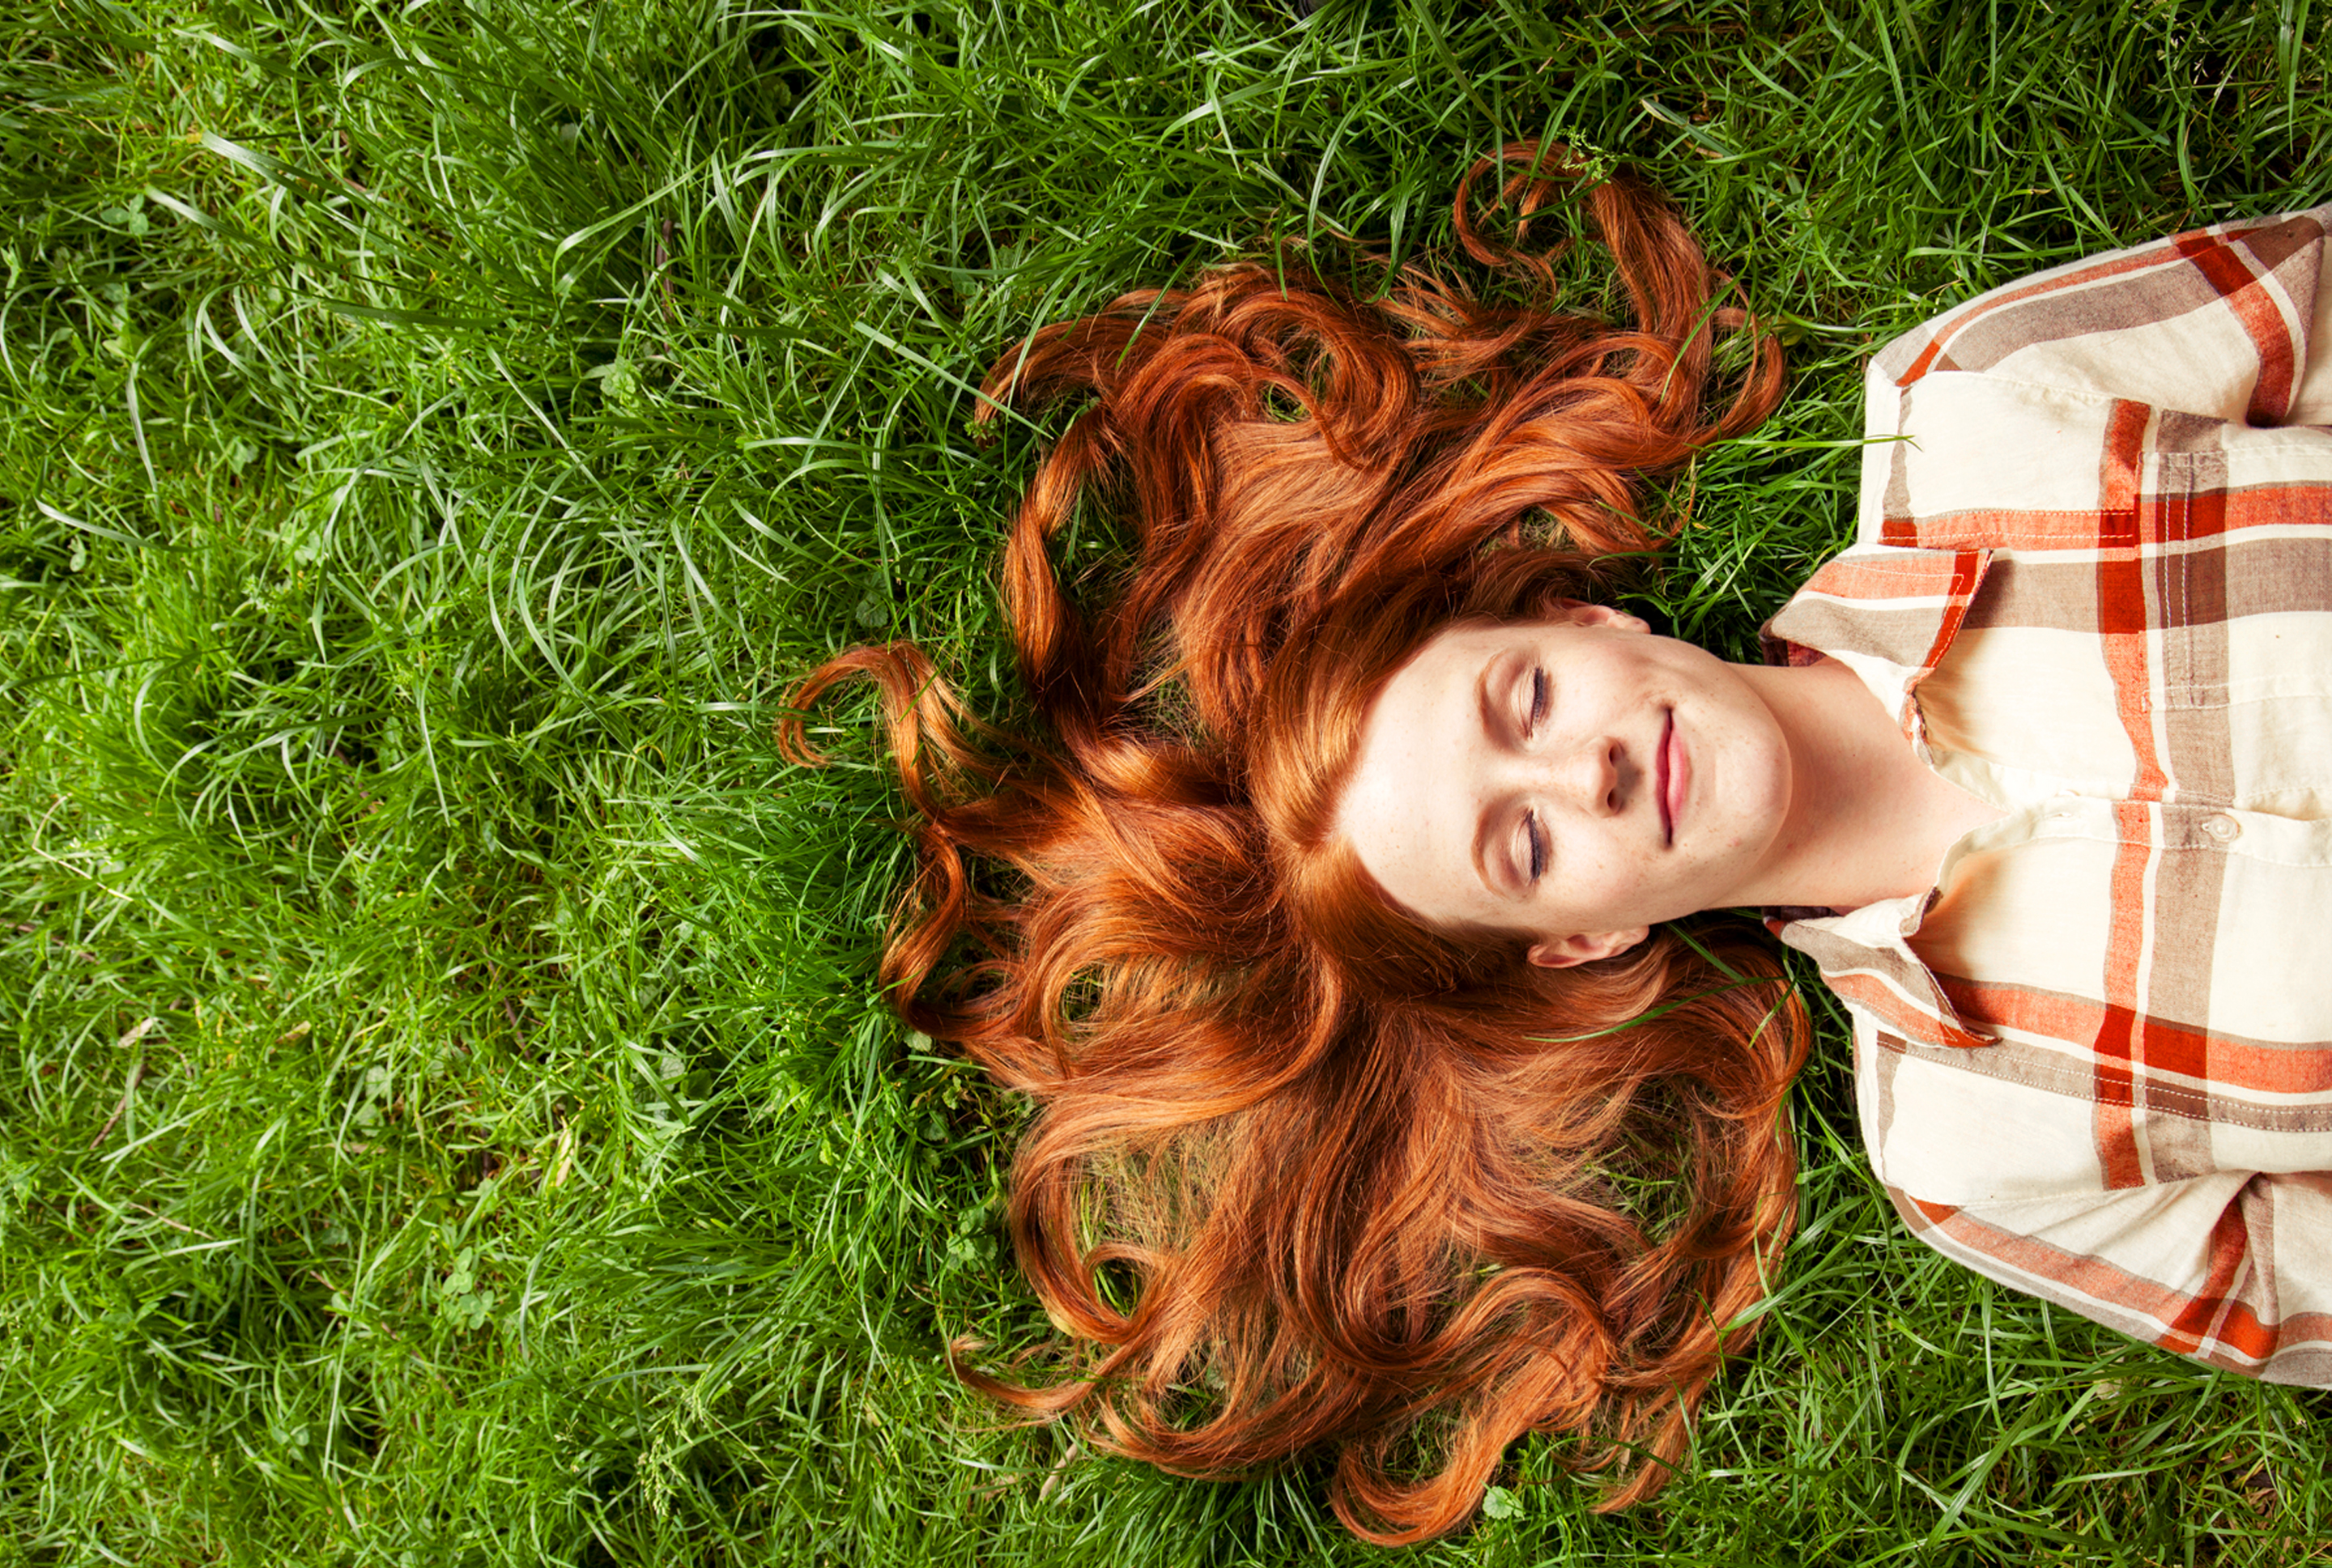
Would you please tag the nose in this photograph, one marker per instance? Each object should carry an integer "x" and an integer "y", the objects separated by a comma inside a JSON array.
[{"x": 1593, "y": 777}]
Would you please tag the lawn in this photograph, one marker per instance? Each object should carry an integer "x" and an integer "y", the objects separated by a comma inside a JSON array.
[{"x": 448, "y": 1116}]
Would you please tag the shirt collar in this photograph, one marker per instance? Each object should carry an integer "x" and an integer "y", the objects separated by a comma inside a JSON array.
[{"x": 1889, "y": 615}]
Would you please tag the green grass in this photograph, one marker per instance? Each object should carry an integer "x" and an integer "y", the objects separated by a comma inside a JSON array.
[{"x": 446, "y": 1117}]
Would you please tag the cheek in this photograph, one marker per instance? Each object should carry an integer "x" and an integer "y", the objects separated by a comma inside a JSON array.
[{"x": 1597, "y": 873}]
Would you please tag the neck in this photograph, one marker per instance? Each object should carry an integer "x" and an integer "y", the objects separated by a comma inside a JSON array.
[{"x": 1867, "y": 819}]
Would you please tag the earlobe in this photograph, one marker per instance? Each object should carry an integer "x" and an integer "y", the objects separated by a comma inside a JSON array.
[{"x": 1568, "y": 951}]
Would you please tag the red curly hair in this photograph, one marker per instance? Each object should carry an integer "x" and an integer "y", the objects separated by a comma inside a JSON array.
[{"x": 1309, "y": 1177}]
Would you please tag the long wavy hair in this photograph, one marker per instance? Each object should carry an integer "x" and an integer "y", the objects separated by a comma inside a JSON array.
[{"x": 1309, "y": 1177}]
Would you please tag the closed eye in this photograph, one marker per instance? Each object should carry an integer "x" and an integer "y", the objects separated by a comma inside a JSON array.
[
  {"x": 1537, "y": 702},
  {"x": 1534, "y": 846}
]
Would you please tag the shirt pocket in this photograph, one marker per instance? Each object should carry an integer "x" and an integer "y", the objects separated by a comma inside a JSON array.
[
  {"x": 2190, "y": 596},
  {"x": 2237, "y": 553}
]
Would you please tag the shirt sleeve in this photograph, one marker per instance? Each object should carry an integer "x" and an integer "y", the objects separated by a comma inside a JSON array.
[
  {"x": 2231, "y": 1268},
  {"x": 2227, "y": 322}
]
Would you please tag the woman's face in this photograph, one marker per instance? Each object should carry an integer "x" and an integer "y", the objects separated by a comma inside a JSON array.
[{"x": 1574, "y": 780}]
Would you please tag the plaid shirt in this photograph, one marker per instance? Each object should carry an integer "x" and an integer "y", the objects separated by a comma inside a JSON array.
[{"x": 2094, "y": 579}]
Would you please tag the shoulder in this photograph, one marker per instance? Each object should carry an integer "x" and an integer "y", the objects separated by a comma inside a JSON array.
[
  {"x": 2217, "y": 285},
  {"x": 2029, "y": 415}
]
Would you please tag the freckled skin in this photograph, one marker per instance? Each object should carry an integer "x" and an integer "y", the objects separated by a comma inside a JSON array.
[
  {"x": 1464, "y": 760},
  {"x": 1641, "y": 778}
]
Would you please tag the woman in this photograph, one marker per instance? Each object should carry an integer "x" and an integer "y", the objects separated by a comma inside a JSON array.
[{"x": 1320, "y": 906}]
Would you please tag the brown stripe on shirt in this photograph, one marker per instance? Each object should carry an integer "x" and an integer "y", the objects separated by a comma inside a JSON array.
[
  {"x": 2057, "y": 314},
  {"x": 2255, "y": 576},
  {"x": 2192, "y": 588},
  {"x": 1920, "y": 352},
  {"x": 2175, "y": 429},
  {"x": 2190, "y": 882},
  {"x": 1899, "y": 635}
]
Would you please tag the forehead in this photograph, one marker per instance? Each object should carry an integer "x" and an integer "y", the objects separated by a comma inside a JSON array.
[
  {"x": 1440, "y": 686},
  {"x": 1409, "y": 807}
]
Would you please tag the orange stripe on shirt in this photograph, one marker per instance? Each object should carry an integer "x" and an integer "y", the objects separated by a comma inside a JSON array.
[
  {"x": 2111, "y": 1125},
  {"x": 2191, "y": 1320},
  {"x": 1967, "y": 569},
  {"x": 1991, "y": 527},
  {"x": 1881, "y": 578},
  {"x": 2231, "y": 273},
  {"x": 2262, "y": 507},
  {"x": 2297, "y": 1068},
  {"x": 2215, "y": 1313},
  {"x": 2122, "y": 619},
  {"x": 1905, "y": 1016}
]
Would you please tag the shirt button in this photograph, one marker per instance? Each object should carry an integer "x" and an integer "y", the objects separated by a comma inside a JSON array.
[{"x": 2224, "y": 828}]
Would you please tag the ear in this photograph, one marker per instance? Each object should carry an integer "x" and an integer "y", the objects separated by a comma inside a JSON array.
[
  {"x": 1600, "y": 615},
  {"x": 1567, "y": 951}
]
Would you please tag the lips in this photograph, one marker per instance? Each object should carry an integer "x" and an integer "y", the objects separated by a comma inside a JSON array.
[{"x": 1671, "y": 780}]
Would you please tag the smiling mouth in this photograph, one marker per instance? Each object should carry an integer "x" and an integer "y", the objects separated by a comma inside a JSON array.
[{"x": 1668, "y": 781}]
